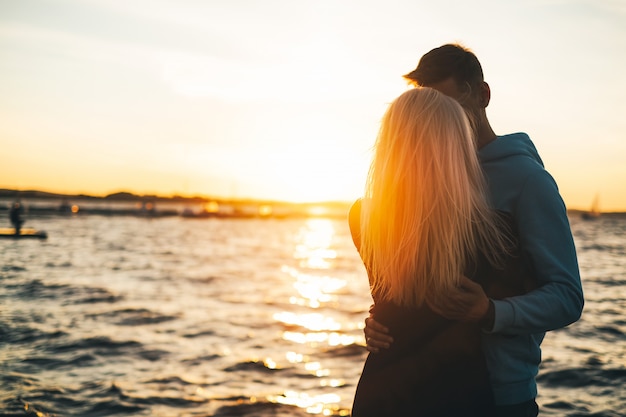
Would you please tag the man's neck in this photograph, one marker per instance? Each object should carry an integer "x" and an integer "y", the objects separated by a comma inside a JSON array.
[{"x": 485, "y": 135}]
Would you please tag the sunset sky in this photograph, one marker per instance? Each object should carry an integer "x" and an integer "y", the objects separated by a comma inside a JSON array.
[{"x": 281, "y": 99}]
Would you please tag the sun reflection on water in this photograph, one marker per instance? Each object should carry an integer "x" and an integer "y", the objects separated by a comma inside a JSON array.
[
  {"x": 311, "y": 321},
  {"x": 314, "y": 247},
  {"x": 314, "y": 320},
  {"x": 331, "y": 339},
  {"x": 314, "y": 251},
  {"x": 313, "y": 290},
  {"x": 314, "y": 404}
]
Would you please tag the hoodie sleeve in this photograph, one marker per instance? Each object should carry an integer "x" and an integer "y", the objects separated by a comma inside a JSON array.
[{"x": 547, "y": 244}]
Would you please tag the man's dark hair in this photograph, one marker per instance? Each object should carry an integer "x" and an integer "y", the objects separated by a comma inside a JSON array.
[{"x": 450, "y": 60}]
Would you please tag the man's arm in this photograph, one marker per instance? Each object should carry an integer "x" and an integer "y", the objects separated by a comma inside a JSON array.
[{"x": 547, "y": 243}]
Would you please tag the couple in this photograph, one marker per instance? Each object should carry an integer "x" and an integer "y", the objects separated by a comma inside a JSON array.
[{"x": 468, "y": 250}]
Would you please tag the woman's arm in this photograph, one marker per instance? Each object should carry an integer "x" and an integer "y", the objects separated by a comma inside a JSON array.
[{"x": 376, "y": 335}]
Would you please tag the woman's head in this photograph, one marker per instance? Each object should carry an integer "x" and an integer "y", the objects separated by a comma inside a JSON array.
[
  {"x": 427, "y": 211},
  {"x": 428, "y": 133}
]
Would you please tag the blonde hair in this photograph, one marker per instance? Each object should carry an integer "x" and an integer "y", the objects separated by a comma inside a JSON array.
[{"x": 425, "y": 214}]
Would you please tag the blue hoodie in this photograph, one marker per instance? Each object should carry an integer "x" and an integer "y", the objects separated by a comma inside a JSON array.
[{"x": 519, "y": 184}]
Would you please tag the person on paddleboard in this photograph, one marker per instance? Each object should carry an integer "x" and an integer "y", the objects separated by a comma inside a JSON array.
[{"x": 15, "y": 215}]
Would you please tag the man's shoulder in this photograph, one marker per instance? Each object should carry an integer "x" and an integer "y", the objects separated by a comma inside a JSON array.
[{"x": 514, "y": 152}]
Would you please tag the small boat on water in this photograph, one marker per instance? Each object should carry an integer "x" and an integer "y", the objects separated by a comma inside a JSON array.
[
  {"x": 594, "y": 211},
  {"x": 25, "y": 233}
]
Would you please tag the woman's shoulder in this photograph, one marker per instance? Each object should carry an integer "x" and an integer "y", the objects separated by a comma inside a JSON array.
[{"x": 354, "y": 221}]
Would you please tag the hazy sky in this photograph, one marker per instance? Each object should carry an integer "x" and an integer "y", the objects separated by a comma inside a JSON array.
[{"x": 281, "y": 99}]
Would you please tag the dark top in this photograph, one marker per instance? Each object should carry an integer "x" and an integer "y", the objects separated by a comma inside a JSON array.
[{"x": 435, "y": 366}]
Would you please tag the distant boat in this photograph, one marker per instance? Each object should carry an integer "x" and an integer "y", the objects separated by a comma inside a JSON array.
[
  {"x": 594, "y": 211},
  {"x": 25, "y": 233}
]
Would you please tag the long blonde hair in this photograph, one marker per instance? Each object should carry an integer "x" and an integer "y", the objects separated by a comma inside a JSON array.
[{"x": 425, "y": 214}]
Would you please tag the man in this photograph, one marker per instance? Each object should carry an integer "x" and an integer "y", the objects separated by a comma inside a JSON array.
[{"x": 519, "y": 186}]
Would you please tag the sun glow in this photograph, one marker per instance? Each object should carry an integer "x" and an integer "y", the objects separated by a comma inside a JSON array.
[
  {"x": 226, "y": 105},
  {"x": 325, "y": 404},
  {"x": 314, "y": 170},
  {"x": 313, "y": 321},
  {"x": 314, "y": 249},
  {"x": 315, "y": 252}
]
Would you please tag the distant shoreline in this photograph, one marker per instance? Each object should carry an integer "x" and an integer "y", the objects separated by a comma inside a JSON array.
[
  {"x": 124, "y": 196},
  {"x": 161, "y": 206},
  {"x": 128, "y": 196}
]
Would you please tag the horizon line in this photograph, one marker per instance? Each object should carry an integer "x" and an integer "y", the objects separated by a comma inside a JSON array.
[{"x": 122, "y": 195}]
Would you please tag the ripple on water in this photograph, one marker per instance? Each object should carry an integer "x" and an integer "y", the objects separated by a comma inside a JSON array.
[
  {"x": 251, "y": 366},
  {"x": 103, "y": 345},
  {"x": 246, "y": 407},
  {"x": 134, "y": 317},
  {"x": 37, "y": 290},
  {"x": 201, "y": 360},
  {"x": 12, "y": 268},
  {"x": 26, "y": 334},
  {"x": 584, "y": 377},
  {"x": 92, "y": 295},
  {"x": 187, "y": 324}
]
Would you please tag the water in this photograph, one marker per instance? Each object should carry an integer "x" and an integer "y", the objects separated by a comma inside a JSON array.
[{"x": 126, "y": 316}]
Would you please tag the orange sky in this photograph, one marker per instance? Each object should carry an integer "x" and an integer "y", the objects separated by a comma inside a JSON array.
[{"x": 282, "y": 99}]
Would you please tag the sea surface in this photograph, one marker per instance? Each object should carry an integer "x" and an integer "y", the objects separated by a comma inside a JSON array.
[{"x": 130, "y": 316}]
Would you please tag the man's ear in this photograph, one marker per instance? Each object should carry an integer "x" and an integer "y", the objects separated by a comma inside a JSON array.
[{"x": 485, "y": 94}]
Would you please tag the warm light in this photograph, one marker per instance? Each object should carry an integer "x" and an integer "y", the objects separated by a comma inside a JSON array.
[
  {"x": 295, "y": 357},
  {"x": 318, "y": 211},
  {"x": 317, "y": 289},
  {"x": 265, "y": 210},
  {"x": 316, "y": 240},
  {"x": 313, "y": 366},
  {"x": 331, "y": 339},
  {"x": 312, "y": 321},
  {"x": 315, "y": 404},
  {"x": 269, "y": 363},
  {"x": 314, "y": 290},
  {"x": 314, "y": 250},
  {"x": 334, "y": 383},
  {"x": 212, "y": 207},
  {"x": 316, "y": 369},
  {"x": 75, "y": 208}
]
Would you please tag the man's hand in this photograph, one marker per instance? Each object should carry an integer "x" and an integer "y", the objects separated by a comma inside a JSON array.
[
  {"x": 467, "y": 303},
  {"x": 376, "y": 335}
]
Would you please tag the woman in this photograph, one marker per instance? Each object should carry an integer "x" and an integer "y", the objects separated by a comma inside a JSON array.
[{"x": 423, "y": 223}]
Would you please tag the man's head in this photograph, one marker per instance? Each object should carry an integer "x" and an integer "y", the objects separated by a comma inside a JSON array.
[
  {"x": 456, "y": 72},
  {"x": 448, "y": 61}
]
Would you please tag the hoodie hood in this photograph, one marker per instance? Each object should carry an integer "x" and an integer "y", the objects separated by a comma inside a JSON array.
[{"x": 507, "y": 146}]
